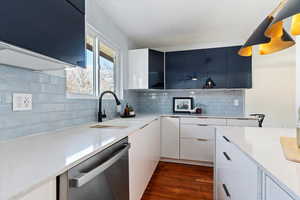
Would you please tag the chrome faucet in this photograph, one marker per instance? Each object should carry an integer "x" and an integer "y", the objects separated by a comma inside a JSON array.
[{"x": 100, "y": 115}]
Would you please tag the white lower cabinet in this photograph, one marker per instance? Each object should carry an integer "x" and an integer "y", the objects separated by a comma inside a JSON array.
[
  {"x": 274, "y": 192},
  {"x": 236, "y": 174},
  {"x": 47, "y": 191},
  {"x": 144, "y": 156},
  {"x": 170, "y": 137},
  {"x": 197, "y": 142}
]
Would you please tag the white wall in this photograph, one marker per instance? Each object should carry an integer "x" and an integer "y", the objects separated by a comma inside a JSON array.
[
  {"x": 274, "y": 84},
  {"x": 274, "y": 88}
]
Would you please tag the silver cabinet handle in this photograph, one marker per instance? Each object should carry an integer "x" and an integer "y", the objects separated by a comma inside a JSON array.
[
  {"x": 225, "y": 138},
  {"x": 226, "y": 156},
  {"x": 84, "y": 178},
  {"x": 226, "y": 190},
  {"x": 202, "y": 124},
  {"x": 202, "y": 140}
]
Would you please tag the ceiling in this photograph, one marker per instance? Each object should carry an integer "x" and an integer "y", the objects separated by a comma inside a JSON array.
[{"x": 163, "y": 23}]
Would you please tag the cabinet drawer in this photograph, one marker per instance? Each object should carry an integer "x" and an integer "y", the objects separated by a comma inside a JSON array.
[
  {"x": 197, "y": 150},
  {"x": 242, "y": 122},
  {"x": 204, "y": 121},
  {"x": 197, "y": 131}
]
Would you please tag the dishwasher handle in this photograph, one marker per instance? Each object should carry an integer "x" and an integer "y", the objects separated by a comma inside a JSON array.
[{"x": 84, "y": 178}]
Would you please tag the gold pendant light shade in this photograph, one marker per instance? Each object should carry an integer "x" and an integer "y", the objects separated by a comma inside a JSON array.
[
  {"x": 280, "y": 40},
  {"x": 245, "y": 51},
  {"x": 295, "y": 26},
  {"x": 289, "y": 8},
  {"x": 270, "y": 35},
  {"x": 257, "y": 37},
  {"x": 277, "y": 44}
]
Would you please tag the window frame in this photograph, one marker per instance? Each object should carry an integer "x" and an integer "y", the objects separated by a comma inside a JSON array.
[{"x": 118, "y": 67}]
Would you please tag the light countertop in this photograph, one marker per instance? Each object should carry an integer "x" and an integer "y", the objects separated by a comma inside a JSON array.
[
  {"x": 241, "y": 117},
  {"x": 29, "y": 161},
  {"x": 263, "y": 146}
]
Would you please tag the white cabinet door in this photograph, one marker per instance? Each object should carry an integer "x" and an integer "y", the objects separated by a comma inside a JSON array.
[
  {"x": 138, "y": 70},
  {"x": 242, "y": 122},
  {"x": 144, "y": 156},
  {"x": 197, "y": 142},
  {"x": 170, "y": 137},
  {"x": 46, "y": 191},
  {"x": 274, "y": 192}
]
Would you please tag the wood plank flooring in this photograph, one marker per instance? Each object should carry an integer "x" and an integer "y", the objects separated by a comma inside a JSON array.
[{"x": 172, "y": 181}]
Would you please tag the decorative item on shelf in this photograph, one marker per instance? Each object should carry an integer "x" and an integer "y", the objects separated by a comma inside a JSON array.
[
  {"x": 270, "y": 38},
  {"x": 197, "y": 109},
  {"x": 128, "y": 112},
  {"x": 209, "y": 83},
  {"x": 183, "y": 104}
]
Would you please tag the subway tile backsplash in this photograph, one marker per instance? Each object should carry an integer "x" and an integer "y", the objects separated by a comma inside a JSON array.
[
  {"x": 51, "y": 109},
  {"x": 212, "y": 102}
]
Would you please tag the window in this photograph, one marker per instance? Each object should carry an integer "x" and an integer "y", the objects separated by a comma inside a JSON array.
[
  {"x": 81, "y": 80},
  {"x": 99, "y": 75},
  {"x": 107, "y": 57}
]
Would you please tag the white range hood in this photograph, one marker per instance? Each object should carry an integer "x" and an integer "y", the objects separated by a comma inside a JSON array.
[{"x": 19, "y": 57}]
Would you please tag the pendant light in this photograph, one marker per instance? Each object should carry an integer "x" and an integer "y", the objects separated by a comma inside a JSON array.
[
  {"x": 209, "y": 84},
  {"x": 257, "y": 37},
  {"x": 270, "y": 40},
  {"x": 290, "y": 8},
  {"x": 280, "y": 40}
]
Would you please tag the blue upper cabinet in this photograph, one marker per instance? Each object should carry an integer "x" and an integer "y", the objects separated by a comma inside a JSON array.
[
  {"x": 239, "y": 69},
  {"x": 52, "y": 28},
  {"x": 156, "y": 69},
  {"x": 190, "y": 69}
]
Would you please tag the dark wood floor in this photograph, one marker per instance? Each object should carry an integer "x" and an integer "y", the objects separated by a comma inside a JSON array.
[{"x": 180, "y": 182}]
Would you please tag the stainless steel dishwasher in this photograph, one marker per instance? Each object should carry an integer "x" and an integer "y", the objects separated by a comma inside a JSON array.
[{"x": 104, "y": 176}]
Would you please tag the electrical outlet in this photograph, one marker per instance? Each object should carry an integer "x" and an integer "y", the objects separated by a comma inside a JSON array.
[
  {"x": 236, "y": 102},
  {"x": 22, "y": 102}
]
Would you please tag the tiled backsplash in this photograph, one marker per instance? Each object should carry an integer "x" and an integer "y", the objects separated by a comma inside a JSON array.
[
  {"x": 212, "y": 102},
  {"x": 51, "y": 109}
]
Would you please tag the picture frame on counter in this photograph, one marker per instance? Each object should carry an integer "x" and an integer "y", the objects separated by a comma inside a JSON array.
[{"x": 183, "y": 104}]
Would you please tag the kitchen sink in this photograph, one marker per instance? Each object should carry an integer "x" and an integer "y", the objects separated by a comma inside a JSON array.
[{"x": 107, "y": 126}]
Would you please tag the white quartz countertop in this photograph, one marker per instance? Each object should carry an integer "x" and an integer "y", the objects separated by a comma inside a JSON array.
[
  {"x": 28, "y": 162},
  {"x": 241, "y": 117},
  {"x": 263, "y": 146}
]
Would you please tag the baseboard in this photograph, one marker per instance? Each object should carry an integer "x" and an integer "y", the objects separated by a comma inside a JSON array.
[{"x": 189, "y": 162}]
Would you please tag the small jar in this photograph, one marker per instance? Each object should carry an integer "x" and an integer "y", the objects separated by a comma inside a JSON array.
[
  {"x": 298, "y": 134},
  {"x": 298, "y": 137}
]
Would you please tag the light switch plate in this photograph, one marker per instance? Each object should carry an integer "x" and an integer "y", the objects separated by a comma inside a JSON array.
[{"x": 22, "y": 102}]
